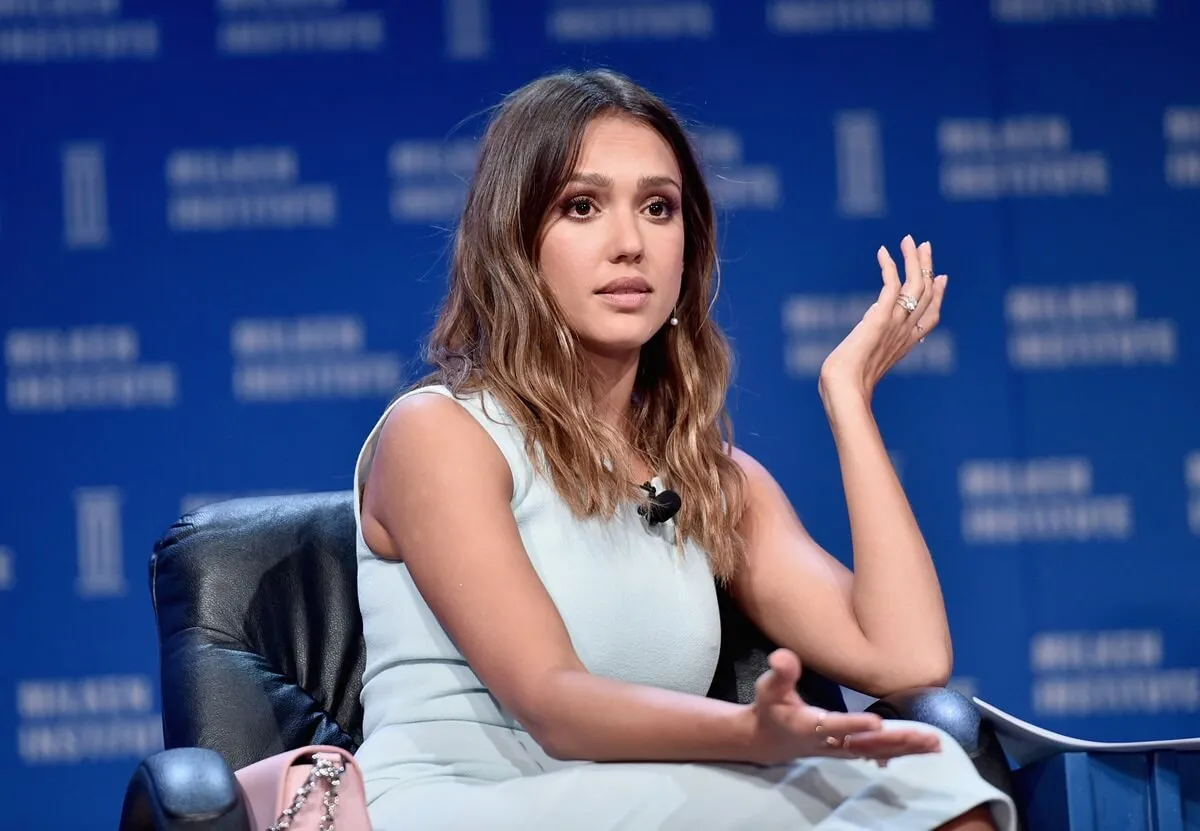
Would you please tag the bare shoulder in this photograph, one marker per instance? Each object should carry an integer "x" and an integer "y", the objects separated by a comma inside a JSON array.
[
  {"x": 428, "y": 441},
  {"x": 751, "y": 467},
  {"x": 770, "y": 521},
  {"x": 761, "y": 487}
]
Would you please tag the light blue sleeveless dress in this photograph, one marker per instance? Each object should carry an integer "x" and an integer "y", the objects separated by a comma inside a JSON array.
[{"x": 440, "y": 752}]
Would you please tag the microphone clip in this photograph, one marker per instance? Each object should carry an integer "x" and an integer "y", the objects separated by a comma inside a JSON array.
[{"x": 663, "y": 505}]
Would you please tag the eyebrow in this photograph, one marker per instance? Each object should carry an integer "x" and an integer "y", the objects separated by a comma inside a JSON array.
[{"x": 599, "y": 180}]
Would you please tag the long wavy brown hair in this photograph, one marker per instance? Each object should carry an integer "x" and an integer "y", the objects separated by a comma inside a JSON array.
[{"x": 500, "y": 328}]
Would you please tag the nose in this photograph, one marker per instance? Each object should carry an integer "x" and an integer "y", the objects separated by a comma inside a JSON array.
[{"x": 626, "y": 243}]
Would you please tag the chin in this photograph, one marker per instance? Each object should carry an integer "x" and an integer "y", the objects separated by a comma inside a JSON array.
[{"x": 617, "y": 340}]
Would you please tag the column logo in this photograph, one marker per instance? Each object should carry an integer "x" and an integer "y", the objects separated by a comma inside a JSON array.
[
  {"x": 85, "y": 196},
  {"x": 99, "y": 545}
]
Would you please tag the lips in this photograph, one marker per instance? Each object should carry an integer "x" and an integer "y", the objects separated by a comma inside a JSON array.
[{"x": 626, "y": 285}]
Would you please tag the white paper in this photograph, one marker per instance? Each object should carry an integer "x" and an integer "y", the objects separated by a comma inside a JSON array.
[{"x": 1026, "y": 743}]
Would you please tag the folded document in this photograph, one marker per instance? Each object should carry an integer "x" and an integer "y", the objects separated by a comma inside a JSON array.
[{"x": 1026, "y": 743}]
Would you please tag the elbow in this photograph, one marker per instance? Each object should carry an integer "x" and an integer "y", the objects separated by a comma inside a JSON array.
[
  {"x": 557, "y": 744},
  {"x": 938, "y": 676},
  {"x": 913, "y": 674},
  {"x": 561, "y": 741},
  {"x": 541, "y": 727},
  {"x": 537, "y": 711}
]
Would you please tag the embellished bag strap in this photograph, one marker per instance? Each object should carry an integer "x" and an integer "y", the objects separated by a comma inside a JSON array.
[{"x": 324, "y": 767}]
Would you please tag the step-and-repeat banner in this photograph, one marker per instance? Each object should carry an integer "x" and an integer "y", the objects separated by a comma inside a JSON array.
[{"x": 223, "y": 234}]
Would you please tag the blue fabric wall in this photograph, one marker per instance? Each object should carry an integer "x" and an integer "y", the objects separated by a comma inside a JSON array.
[{"x": 222, "y": 236}]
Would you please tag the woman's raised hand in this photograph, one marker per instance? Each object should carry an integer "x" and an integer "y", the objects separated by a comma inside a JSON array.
[{"x": 899, "y": 319}]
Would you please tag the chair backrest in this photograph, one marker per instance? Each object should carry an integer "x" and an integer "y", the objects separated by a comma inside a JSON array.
[{"x": 260, "y": 632}]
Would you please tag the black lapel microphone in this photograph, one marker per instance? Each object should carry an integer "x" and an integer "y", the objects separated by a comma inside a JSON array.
[{"x": 663, "y": 505}]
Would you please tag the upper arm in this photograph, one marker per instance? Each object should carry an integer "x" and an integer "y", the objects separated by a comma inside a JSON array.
[
  {"x": 437, "y": 497},
  {"x": 798, "y": 594}
]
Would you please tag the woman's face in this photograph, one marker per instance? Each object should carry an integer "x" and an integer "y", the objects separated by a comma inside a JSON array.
[{"x": 612, "y": 245}]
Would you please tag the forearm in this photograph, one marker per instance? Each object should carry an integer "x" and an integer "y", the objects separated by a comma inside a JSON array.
[
  {"x": 896, "y": 596},
  {"x": 584, "y": 716}
]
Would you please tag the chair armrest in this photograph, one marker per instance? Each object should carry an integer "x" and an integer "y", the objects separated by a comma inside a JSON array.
[
  {"x": 938, "y": 707},
  {"x": 184, "y": 789},
  {"x": 954, "y": 713}
]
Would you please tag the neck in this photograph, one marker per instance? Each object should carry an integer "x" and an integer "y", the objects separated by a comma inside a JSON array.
[{"x": 612, "y": 387}]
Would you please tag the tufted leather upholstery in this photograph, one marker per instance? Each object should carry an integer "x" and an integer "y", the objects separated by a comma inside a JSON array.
[{"x": 259, "y": 627}]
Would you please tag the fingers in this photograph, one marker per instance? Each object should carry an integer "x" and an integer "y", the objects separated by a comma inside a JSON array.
[
  {"x": 920, "y": 284},
  {"x": 785, "y": 662},
  {"x": 832, "y": 728},
  {"x": 779, "y": 682},
  {"x": 914, "y": 281},
  {"x": 862, "y": 735},
  {"x": 933, "y": 314},
  {"x": 889, "y": 744},
  {"x": 891, "y": 279}
]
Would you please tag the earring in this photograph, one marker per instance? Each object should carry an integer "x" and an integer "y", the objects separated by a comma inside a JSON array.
[{"x": 674, "y": 321}]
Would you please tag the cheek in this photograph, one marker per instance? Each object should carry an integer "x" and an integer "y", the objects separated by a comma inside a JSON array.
[
  {"x": 562, "y": 257},
  {"x": 672, "y": 251}
]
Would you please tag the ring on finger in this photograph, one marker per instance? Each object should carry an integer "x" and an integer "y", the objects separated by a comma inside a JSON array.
[
  {"x": 927, "y": 272},
  {"x": 907, "y": 303}
]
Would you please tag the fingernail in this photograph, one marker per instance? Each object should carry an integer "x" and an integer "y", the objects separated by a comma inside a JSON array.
[{"x": 908, "y": 238}]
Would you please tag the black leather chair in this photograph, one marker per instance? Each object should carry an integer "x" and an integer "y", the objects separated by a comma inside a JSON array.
[{"x": 262, "y": 651}]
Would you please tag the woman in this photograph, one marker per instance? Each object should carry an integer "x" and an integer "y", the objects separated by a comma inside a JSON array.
[{"x": 538, "y": 652}]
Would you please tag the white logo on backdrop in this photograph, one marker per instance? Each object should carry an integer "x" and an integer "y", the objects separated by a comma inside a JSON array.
[
  {"x": 84, "y": 195},
  {"x": 820, "y": 16},
  {"x": 78, "y": 31},
  {"x": 1108, "y": 672},
  {"x": 468, "y": 29},
  {"x": 1024, "y": 156},
  {"x": 8, "y": 573},
  {"x": 1006, "y": 501},
  {"x": 192, "y": 501},
  {"x": 98, "y": 541},
  {"x": 596, "y": 21},
  {"x": 1191, "y": 468},
  {"x": 87, "y": 719},
  {"x": 859, "y": 154},
  {"x": 308, "y": 358},
  {"x": 429, "y": 178},
  {"x": 84, "y": 368},
  {"x": 734, "y": 183},
  {"x": 1084, "y": 325},
  {"x": 814, "y": 324},
  {"x": 1050, "y": 11},
  {"x": 245, "y": 188},
  {"x": 1181, "y": 132},
  {"x": 275, "y": 27}
]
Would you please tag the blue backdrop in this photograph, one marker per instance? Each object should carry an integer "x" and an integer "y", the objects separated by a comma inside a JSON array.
[{"x": 223, "y": 230}]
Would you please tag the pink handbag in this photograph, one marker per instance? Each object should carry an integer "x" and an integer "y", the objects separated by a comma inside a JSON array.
[{"x": 315, "y": 788}]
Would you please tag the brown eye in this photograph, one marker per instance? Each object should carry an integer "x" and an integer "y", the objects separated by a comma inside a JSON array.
[
  {"x": 661, "y": 208},
  {"x": 580, "y": 207}
]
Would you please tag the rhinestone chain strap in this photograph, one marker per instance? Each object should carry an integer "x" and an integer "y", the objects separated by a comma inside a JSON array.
[{"x": 321, "y": 769}]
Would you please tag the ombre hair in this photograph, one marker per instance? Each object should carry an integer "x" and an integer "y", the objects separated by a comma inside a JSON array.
[{"x": 500, "y": 328}]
